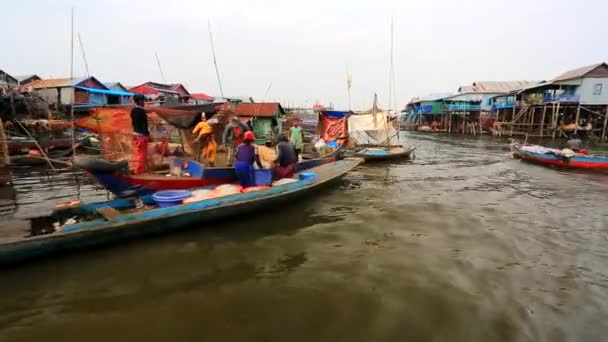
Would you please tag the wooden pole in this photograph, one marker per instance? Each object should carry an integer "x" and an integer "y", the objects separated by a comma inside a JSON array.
[
  {"x": 542, "y": 121},
  {"x": 605, "y": 124},
  {"x": 555, "y": 120},
  {"x": 4, "y": 156},
  {"x": 577, "y": 117}
]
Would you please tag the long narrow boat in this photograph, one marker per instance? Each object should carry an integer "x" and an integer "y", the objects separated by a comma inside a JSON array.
[
  {"x": 370, "y": 154},
  {"x": 130, "y": 222},
  {"x": 116, "y": 178},
  {"x": 553, "y": 157}
]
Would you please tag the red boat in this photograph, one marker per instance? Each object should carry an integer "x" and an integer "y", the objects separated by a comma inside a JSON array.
[
  {"x": 115, "y": 177},
  {"x": 553, "y": 157}
]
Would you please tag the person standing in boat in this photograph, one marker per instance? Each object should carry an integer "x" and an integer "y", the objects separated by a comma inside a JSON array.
[
  {"x": 233, "y": 137},
  {"x": 286, "y": 159},
  {"x": 575, "y": 143},
  {"x": 245, "y": 156},
  {"x": 296, "y": 138},
  {"x": 141, "y": 135},
  {"x": 205, "y": 142}
]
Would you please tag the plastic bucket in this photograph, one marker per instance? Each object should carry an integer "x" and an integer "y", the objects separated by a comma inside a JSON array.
[
  {"x": 170, "y": 198},
  {"x": 263, "y": 177}
]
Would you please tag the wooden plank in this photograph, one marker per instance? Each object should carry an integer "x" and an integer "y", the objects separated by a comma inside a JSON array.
[{"x": 108, "y": 213}]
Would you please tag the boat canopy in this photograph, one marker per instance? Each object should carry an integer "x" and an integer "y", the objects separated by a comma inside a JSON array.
[{"x": 372, "y": 129}]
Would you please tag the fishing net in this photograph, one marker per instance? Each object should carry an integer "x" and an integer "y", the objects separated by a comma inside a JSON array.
[{"x": 170, "y": 133}]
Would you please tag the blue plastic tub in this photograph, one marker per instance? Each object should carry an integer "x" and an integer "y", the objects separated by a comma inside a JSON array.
[
  {"x": 333, "y": 144},
  {"x": 263, "y": 177},
  {"x": 170, "y": 198},
  {"x": 307, "y": 175}
]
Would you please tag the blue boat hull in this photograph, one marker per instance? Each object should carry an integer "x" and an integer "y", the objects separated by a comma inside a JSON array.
[{"x": 166, "y": 220}]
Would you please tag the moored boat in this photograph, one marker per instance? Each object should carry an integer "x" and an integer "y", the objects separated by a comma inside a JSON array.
[
  {"x": 554, "y": 157},
  {"x": 384, "y": 153},
  {"x": 92, "y": 225},
  {"x": 114, "y": 176}
]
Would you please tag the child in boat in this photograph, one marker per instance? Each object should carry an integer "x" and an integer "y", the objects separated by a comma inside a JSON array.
[{"x": 244, "y": 157}]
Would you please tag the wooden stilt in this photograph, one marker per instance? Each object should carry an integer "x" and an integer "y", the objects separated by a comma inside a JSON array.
[
  {"x": 555, "y": 120},
  {"x": 4, "y": 157},
  {"x": 577, "y": 118},
  {"x": 605, "y": 123},
  {"x": 542, "y": 121}
]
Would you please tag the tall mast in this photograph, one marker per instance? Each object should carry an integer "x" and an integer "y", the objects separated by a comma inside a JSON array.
[
  {"x": 162, "y": 75},
  {"x": 217, "y": 72},
  {"x": 84, "y": 57},
  {"x": 72, "y": 46}
]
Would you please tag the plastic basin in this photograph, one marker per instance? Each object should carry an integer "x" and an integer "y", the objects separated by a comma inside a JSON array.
[{"x": 170, "y": 198}]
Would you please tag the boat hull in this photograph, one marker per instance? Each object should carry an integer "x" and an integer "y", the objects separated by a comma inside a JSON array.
[
  {"x": 393, "y": 154},
  {"x": 165, "y": 220},
  {"x": 576, "y": 162},
  {"x": 118, "y": 182}
]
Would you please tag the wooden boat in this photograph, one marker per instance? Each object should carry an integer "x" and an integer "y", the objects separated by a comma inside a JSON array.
[
  {"x": 32, "y": 160},
  {"x": 99, "y": 228},
  {"x": 385, "y": 153},
  {"x": 553, "y": 157},
  {"x": 116, "y": 178}
]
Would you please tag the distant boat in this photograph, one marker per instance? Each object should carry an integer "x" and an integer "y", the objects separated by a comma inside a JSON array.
[
  {"x": 375, "y": 136},
  {"x": 118, "y": 220},
  {"x": 553, "y": 157}
]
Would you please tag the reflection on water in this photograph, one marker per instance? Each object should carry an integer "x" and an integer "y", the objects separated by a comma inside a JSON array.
[{"x": 461, "y": 244}]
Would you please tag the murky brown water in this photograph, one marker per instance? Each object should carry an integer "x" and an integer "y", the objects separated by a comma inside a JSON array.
[{"x": 462, "y": 244}]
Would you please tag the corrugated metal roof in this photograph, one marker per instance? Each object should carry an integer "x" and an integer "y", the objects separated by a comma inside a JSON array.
[
  {"x": 22, "y": 78},
  {"x": 57, "y": 82},
  {"x": 115, "y": 86},
  {"x": 578, "y": 73},
  {"x": 7, "y": 79},
  {"x": 202, "y": 97},
  {"x": 465, "y": 97},
  {"x": 495, "y": 87},
  {"x": 431, "y": 97},
  {"x": 268, "y": 109}
]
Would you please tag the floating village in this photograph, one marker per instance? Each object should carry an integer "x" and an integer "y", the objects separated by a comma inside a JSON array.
[{"x": 171, "y": 158}]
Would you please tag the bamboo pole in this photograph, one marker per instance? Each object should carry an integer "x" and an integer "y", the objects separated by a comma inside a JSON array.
[
  {"x": 576, "y": 118},
  {"x": 542, "y": 121},
  {"x": 4, "y": 157},
  {"x": 605, "y": 124},
  {"x": 555, "y": 119}
]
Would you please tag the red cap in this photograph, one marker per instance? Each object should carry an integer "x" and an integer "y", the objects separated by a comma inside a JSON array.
[{"x": 249, "y": 135}]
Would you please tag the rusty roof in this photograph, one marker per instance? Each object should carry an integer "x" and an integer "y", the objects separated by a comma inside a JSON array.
[
  {"x": 578, "y": 72},
  {"x": 57, "y": 82},
  {"x": 263, "y": 109}
]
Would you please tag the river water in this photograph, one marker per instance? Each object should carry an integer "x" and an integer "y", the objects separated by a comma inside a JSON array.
[{"x": 461, "y": 244}]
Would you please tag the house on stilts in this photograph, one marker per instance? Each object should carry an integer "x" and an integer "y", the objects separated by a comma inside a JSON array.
[{"x": 573, "y": 102}]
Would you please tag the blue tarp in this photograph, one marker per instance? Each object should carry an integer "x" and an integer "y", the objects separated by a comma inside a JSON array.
[
  {"x": 107, "y": 92},
  {"x": 336, "y": 113}
]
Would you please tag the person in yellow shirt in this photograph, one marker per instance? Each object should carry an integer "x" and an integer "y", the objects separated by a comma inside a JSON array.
[{"x": 206, "y": 145}]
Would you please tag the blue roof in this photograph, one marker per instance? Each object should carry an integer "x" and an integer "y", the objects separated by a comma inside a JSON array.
[{"x": 107, "y": 92}]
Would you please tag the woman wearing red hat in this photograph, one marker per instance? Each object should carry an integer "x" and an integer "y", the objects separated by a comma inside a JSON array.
[{"x": 245, "y": 156}]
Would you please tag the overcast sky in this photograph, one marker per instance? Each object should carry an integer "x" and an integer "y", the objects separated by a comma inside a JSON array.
[{"x": 304, "y": 48}]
